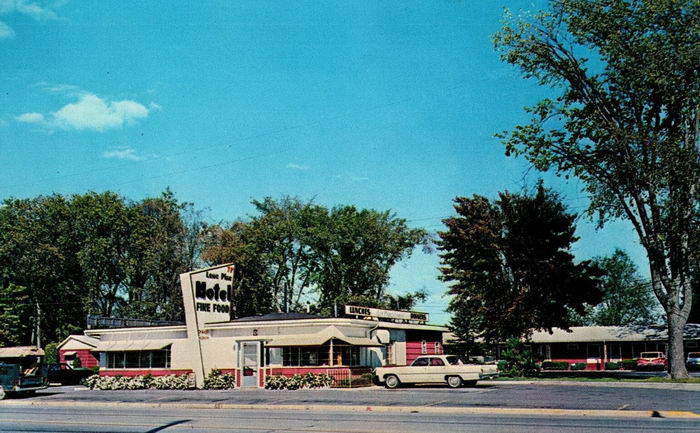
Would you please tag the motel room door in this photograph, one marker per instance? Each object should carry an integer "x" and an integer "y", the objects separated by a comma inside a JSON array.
[{"x": 250, "y": 364}]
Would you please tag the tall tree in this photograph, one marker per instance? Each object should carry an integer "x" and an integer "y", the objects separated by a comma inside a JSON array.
[
  {"x": 38, "y": 252},
  {"x": 627, "y": 298},
  {"x": 510, "y": 267},
  {"x": 626, "y": 121}
]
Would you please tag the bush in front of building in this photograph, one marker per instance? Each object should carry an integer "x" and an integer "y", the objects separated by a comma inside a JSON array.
[
  {"x": 51, "y": 353},
  {"x": 612, "y": 365},
  {"x": 217, "y": 380},
  {"x": 555, "y": 365},
  {"x": 113, "y": 383},
  {"x": 298, "y": 381},
  {"x": 628, "y": 364},
  {"x": 578, "y": 366},
  {"x": 518, "y": 360}
]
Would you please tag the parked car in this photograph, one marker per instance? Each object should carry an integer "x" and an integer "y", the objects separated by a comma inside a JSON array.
[
  {"x": 693, "y": 361},
  {"x": 21, "y": 370},
  {"x": 435, "y": 369},
  {"x": 66, "y": 375},
  {"x": 652, "y": 361}
]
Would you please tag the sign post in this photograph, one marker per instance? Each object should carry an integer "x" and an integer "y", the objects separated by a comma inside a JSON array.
[{"x": 206, "y": 295}]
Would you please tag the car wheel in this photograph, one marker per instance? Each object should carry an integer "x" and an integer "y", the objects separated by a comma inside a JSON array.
[
  {"x": 3, "y": 394},
  {"x": 454, "y": 381},
  {"x": 391, "y": 382}
]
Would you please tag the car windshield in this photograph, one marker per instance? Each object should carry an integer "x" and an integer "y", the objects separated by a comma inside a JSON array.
[
  {"x": 651, "y": 355},
  {"x": 694, "y": 355},
  {"x": 454, "y": 360}
]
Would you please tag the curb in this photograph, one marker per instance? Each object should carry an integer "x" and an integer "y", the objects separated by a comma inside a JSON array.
[
  {"x": 604, "y": 413},
  {"x": 652, "y": 385}
]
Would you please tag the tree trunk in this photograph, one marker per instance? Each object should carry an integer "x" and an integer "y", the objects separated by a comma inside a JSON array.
[{"x": 676, "y": 355}]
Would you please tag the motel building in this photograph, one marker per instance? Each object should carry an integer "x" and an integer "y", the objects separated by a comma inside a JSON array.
[{"x": 252, "y": 348}]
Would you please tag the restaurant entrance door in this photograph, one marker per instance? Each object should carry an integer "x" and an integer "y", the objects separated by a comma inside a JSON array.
[{"x": 250, "y": 364}]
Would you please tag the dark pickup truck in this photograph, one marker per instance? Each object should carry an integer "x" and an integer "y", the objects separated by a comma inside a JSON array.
[
  {"x": 66, "y": 375},
  {"x": 21, "y": 370}
]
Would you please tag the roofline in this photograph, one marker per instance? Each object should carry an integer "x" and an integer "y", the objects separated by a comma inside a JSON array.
[
  {"x": 74, "y": 336},
  {"x": 324, "y": 321},
  {"x": 88, "y": 332}
]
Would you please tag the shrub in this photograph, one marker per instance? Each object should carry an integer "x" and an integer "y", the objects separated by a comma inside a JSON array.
[
  {"x": 77, "y": 363},
  {"x": 216, "y": 380},
  {"x": 612, "y": 365},
  {"x": 578, "y": 366},
  {"x": 50, "y": 353},
  {"x": 309, "y": 380},
  {"x": 139, "y": 382},
  {"x": 555, "y": 365},
  {"x": 518, "y": 360},
  {"x": 628, "y": 364}
]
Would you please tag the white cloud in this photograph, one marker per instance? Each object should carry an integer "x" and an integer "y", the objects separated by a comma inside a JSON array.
[
  {"x": 297, "y": 166},
  {"x": 154, "y": 106},
  {"x": 30, "y": 117},
  {"x": 127, "y": 153},
  {"x": 6, "y": 31},
  {"x": 32, "y": 9},
  {"x": 93, "y": 112}
]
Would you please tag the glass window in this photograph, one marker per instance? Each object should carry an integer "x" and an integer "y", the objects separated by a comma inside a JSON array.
[
  {"x": 132, "y": 359},
  {"x": 436, "y": 362},
  {"x": 420, "y": 362},
  {"x": 139, "y": 359},
  {"x": 424, "y": 347},
  {"x": 438, "y": 351},
  {"x": 453, "y": 360}
]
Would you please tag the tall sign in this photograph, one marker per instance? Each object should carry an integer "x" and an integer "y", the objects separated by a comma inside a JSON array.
[{"x": 206, "y": 295}]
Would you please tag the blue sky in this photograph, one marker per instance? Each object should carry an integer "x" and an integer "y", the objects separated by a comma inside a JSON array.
[{"x": 386, "y": 105}]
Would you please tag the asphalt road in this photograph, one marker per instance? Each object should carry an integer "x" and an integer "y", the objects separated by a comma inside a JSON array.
[
  {"x": 27, "y": 419},
  {"x": 542, "y": 395},
  {"x": 489, "y": 407}
]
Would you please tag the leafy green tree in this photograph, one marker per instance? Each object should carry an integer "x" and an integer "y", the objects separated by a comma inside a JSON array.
[
  {"x": 252, "y": 292},
  {"x": 38, "y": 252},
  {"x": 625, "y": 120},
  {"x": 510, "y": 267},
  {"x": 627, "y": 297},
  {"x": 103, "y": 224},
  {"x": 165, "y": 241},
  {"x": 15, "y": 310}
]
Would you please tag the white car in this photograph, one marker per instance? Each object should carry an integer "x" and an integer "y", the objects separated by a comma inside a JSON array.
[{"x": 435, "y": 369}]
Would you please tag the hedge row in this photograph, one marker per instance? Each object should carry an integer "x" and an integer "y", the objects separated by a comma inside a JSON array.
[
  {"x": 628, "y": 364},
  {"x": 139, "y": 382},
  {"x": 308, "y": 381},
  {"x": 215, "y": 380}
]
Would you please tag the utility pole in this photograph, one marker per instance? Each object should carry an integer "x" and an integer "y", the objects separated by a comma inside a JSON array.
[{"x": 38, "y": 324}]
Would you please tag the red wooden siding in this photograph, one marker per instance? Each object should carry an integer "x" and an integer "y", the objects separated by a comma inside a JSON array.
[{"x": 87, "y": 359}]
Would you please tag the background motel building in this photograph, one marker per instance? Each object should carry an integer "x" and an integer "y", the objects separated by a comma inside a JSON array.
[
  {"x": 254, "y": 347},
  {"x": 596, "y": 345}
]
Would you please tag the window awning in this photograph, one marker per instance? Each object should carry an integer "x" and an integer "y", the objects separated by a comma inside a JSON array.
[
  {"x": 71, "y": 353},
  {"x": 319, "y": 338},
  {"x": 131, "y": 345}
]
